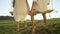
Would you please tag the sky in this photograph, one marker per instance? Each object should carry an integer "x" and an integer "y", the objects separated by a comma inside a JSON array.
[{"x": 6, "y": 7}]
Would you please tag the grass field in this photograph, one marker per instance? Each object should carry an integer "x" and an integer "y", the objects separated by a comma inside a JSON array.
[{"x": 9, "y": 27}]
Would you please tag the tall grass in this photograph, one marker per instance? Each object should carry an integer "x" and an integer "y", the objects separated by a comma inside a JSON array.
[{"x": 9, "y": 27}]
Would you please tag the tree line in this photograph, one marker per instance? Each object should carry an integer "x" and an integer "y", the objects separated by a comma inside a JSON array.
[{"x": 6, "y": 18}]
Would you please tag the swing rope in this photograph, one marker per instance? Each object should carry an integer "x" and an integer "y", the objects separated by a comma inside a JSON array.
[
  {"x": 52, "y": 3},
  {"x": 51, "y": 6}
]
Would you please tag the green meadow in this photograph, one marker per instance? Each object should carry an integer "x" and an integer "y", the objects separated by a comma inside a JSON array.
[{"x": 9, "y": 27}]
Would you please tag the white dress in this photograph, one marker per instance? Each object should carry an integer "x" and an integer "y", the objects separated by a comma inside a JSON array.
[
  {"x": 20, "y": 10},
  {"x": 41, "y": 5}
]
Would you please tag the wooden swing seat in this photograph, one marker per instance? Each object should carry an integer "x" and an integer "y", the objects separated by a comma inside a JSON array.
[{"x": 34, "y": 12}]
